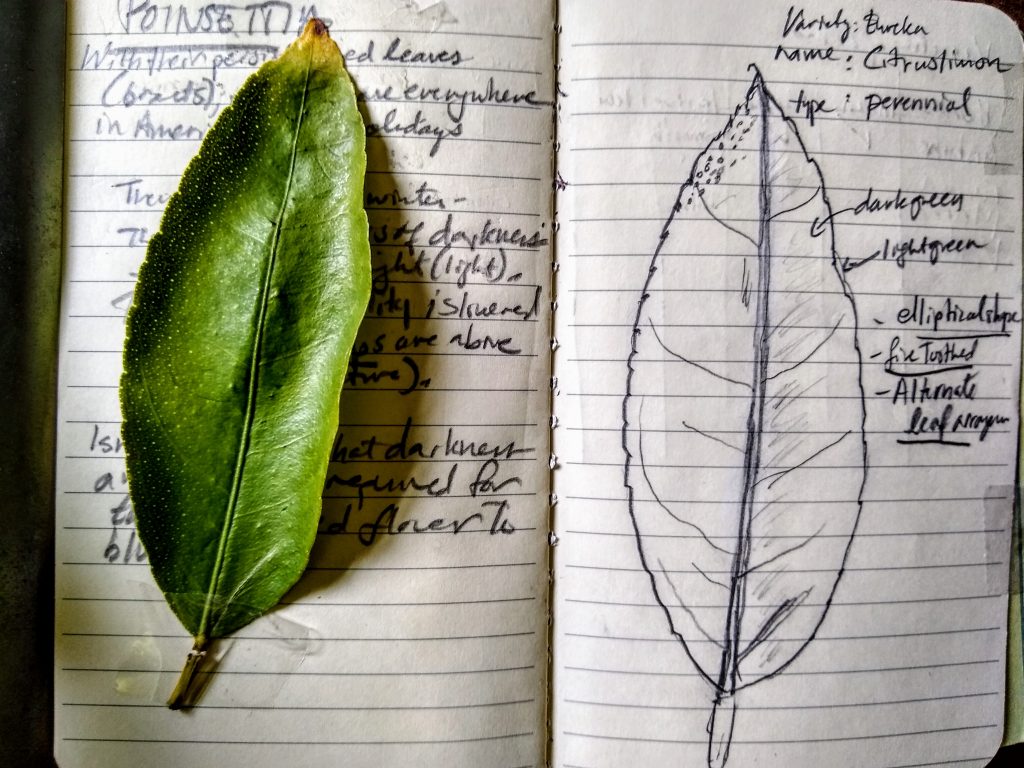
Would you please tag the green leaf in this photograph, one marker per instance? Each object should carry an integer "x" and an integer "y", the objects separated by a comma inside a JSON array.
[{"x": 245, "y": 310}]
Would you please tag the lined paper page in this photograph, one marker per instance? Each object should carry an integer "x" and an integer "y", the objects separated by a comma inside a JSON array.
[
  {"x": 744, "y": 409},
  {"x": 418, "y": 636}
]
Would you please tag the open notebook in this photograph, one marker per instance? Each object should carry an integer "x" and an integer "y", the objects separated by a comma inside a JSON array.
[{"x": 682, "y": 427}]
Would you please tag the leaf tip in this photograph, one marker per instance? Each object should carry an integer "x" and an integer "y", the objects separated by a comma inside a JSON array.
[
  {"x": 316, "y": 41},
  {"x": 315, "y": 28}
]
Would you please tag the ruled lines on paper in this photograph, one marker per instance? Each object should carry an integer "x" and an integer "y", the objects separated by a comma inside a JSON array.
[
  {"x": 418, "y": 635},
  {"x": 923, "y": 181}
]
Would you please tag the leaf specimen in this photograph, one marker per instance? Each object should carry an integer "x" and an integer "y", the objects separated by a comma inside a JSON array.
[
  {"x": 245, "y": 310},
  {"x": 744, "y": 423}
]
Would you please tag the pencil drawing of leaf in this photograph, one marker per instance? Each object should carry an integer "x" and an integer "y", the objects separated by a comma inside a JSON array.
[
  {"x": 245, "y": 310},
  {"x": 744, "y": 414}
]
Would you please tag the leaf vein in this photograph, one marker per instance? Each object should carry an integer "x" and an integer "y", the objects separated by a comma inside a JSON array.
[{"x": 250, "y": 407}]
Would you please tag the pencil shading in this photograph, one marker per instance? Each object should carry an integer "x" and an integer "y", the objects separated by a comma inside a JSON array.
[{"x": 743, "y": 422}]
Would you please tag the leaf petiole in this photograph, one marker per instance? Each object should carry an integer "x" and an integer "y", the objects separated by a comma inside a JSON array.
[{"x": 180, "y": 695}]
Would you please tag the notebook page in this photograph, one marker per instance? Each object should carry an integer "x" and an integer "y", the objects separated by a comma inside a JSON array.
[
  {"x": 772, "y": 383},
  {"x": 418, "y": 635}
]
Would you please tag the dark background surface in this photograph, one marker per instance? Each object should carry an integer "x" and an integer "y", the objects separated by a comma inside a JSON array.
[
  {"x": 31, "y": 117},
  {"x": 31, "y": 142}
]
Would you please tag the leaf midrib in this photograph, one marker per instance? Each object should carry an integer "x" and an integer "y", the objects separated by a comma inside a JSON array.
[
  {"x": 737, "y": 600},
  {"x": 250, "y": 407}
]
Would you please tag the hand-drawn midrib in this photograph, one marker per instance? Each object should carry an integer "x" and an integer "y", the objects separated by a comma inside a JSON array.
[{"x": 721, "y": 732}]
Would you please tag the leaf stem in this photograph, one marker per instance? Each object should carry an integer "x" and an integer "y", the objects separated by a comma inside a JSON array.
[
  {"x": 720, "y": 726},
  {"x": 180, "y": 695}
]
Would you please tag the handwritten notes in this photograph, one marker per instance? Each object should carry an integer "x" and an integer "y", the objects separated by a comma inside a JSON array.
[
  {"x": 911, "y": 113},
  {"x": 418, "y": 636},
  {"x": 775, "y": 424}
]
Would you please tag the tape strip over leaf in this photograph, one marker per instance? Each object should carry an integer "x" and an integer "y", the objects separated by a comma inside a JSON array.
[{"x": 245, "y": 311}]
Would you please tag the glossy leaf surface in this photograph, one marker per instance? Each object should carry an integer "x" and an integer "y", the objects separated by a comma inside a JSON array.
[{"x": 244, "y": 314}]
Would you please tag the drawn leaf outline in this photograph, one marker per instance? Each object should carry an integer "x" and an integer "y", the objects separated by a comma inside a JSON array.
[{"x": 744, "y": 415}]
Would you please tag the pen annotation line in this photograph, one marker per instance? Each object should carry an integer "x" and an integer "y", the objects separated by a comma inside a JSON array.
[{"x": 958, "y": 335}]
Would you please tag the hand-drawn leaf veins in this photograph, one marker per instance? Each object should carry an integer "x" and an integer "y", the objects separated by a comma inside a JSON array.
[{"x": 744, "y": 410}]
